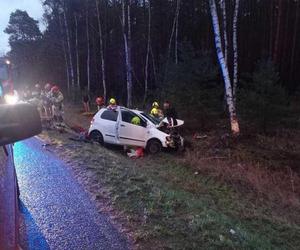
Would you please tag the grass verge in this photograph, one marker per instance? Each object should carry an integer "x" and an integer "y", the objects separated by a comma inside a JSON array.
[{"x": 166, "y": 205}]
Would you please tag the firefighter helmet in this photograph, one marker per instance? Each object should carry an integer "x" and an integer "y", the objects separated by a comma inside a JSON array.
[
  {"x": 136, "y": 120},
  {"x": 112, "y": 101},
  {"x": 55, "y": 89},
  {"x": 155, "y": 105}
]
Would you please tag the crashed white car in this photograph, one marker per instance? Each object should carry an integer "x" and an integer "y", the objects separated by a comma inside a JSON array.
[{"x": 115, "y": 127}]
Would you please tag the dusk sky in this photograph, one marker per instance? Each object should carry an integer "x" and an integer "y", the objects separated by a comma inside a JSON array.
[{"x": 33, "y": 7}]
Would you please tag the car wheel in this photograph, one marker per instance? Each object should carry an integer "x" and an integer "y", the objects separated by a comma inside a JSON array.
[
  {"x": 97, "y": 137},
  {"x": 153, "y": 146}
]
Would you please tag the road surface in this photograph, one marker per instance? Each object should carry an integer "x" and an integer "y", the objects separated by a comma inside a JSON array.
[{"x": 57, "y": 212}]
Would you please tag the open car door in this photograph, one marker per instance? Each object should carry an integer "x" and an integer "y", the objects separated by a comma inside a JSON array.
[{"x": 131, "y": 134}]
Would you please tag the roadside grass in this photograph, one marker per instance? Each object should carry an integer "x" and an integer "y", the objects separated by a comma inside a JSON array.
[{"x": 167, "y": 204}]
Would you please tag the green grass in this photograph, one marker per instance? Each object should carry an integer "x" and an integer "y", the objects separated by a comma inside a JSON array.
[{"x": 169, "y": 207}]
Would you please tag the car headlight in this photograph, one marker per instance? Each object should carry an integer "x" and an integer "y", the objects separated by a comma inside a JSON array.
[{"x": 11, "y": 99}]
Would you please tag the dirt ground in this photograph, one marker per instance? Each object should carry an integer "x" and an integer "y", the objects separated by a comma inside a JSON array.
[{"x": 220, "y": 193}]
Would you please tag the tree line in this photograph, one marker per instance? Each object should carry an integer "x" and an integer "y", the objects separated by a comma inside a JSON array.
[{"x": 136, "y": 50}]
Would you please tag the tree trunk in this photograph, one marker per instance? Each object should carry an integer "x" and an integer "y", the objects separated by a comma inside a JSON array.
[
  {"x": 235, "y": 49},
  {"x": 101, "y": 52},
  {"x": 77, "y": 52},
  {"x": 278, "y": 29},
  {"x": 294, "y": 42},
  {"x": 271, "y": 41},
  {"x": 148, "y": 52},
  {"x": 65, "y": 56},
  {"x": 173, "y": 29},
  {"x": 153, "y": 64},
  {"x": 228, "y": 88},
  {"x": 88, "y": 50},
  {"x": 171, "y": 39},
  {"x": 127, "y": 44},
  {"x": 176, "y": 32},
  {"x": 129, "y": 86},
  {"x": 69, "y": 50},
  {"x": 224, "y": 16}
]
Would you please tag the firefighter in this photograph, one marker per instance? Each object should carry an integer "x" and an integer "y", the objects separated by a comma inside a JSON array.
[
  {"x": 57, "y": 99},
  {"x": 46, "y": 98},
  {"x": 137, "y": 152},
  {"x": 86, "y": 101},
  {"x": 36, "y": 99},
  {"x": 112, "y": 104},
  {"x": 136, "y": 121},
  {"x": 99, "y": 102},
  {"x": 170, "y": 113},
  {"x": 156, "y": 111}
]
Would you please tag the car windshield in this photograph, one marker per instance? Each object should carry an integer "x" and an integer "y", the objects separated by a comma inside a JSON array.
[{"x": 151, "y": 118}]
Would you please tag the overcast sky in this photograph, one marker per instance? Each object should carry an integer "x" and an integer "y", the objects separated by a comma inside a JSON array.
[{"x": 33, "y": 7}]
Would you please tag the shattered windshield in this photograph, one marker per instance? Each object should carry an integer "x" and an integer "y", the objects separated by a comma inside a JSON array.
[{"x": 151, "y": 118}]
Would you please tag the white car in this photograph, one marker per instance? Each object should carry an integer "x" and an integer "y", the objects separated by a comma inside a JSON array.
[{"x": 115, "y": 127}]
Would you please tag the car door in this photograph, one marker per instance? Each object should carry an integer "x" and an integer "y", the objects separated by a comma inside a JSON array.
[
  {"x": 109, "y": 125},
  {"x": 8, "y": 200},
  {"x": 131, "y": 134}
]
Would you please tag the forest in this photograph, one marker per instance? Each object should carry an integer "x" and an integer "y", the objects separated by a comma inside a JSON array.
[
  {"x": 207, "y": 55},
  {"x": 230, "y": 68}
]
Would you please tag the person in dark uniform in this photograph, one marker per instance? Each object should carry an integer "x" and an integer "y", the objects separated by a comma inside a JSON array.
[
  {"x": 170, "y": 113},
  {"x": 86, "y": 102}
]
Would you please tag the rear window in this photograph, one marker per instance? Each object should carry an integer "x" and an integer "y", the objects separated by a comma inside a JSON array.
[{"x": 110, "y": 115}]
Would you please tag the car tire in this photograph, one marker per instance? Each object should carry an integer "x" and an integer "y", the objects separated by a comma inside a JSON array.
[
  {"x": 97, "y": 137},
  {"x": 154, "y": 146}
]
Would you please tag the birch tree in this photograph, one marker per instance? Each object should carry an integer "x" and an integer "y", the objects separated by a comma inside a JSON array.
[
  {"x": 101, "y": 51},
  {"x": 69, "y": 49},
  {"x": 235, "y": 49},
  {"x": 278, "y": 29},
  {"x": 224, "y": 68},
  {"x": 77, "y": 52},
  {"x": 65, "y": 54},
  {"x": 294, "y": 40},
  {"x": 127, "y": 48},
  {"x": 174, "y": 30},
  {"x": 224, "y": 15},
  {"x": 88, "y": 48},
  {"x": 148, "y": 51}
]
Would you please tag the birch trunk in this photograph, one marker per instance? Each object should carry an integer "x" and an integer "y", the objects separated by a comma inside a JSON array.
[
  {"x": 224, "y": 15},
  {"x": 101, "y": 51},
  {"x": 127, "y": 43},
  {"x": 129, "y": 83},
  {"x": 65, "y": 56},
  {"x": 148, "y": 52},
  {"x": 278, "y": 29},
  {"x": 153, "y": 64},
  {"x": 69, "y": 49},
  {"x": 294, "y": 41},
  {"x": 271, "y": 41},
  {"x": 77, "y": 52},
  {"x": 235, "y": 49},
  {"x": 173, "y": 28},
  {"x": 88, "y": 50},
  {"x": 176, "y": 32},
  {"x": 228, "y": 88}
]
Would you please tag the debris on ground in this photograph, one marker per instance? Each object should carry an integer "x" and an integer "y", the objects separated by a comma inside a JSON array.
[
  {"x": 80, "y": 135},
  {"x": 197, "y": 136},
  {"x": 136, "y": 153}
]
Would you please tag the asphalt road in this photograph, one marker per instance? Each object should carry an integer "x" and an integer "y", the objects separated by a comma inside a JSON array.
[{"x": 57, "y": 212}]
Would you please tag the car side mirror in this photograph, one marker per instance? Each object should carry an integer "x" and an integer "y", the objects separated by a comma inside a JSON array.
[{"x": 18, "y": 122}]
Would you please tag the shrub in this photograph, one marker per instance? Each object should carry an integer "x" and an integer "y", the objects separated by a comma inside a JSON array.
[
  {"x": 193, "y": 87},
  {"x": 262, "y": 100}
]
